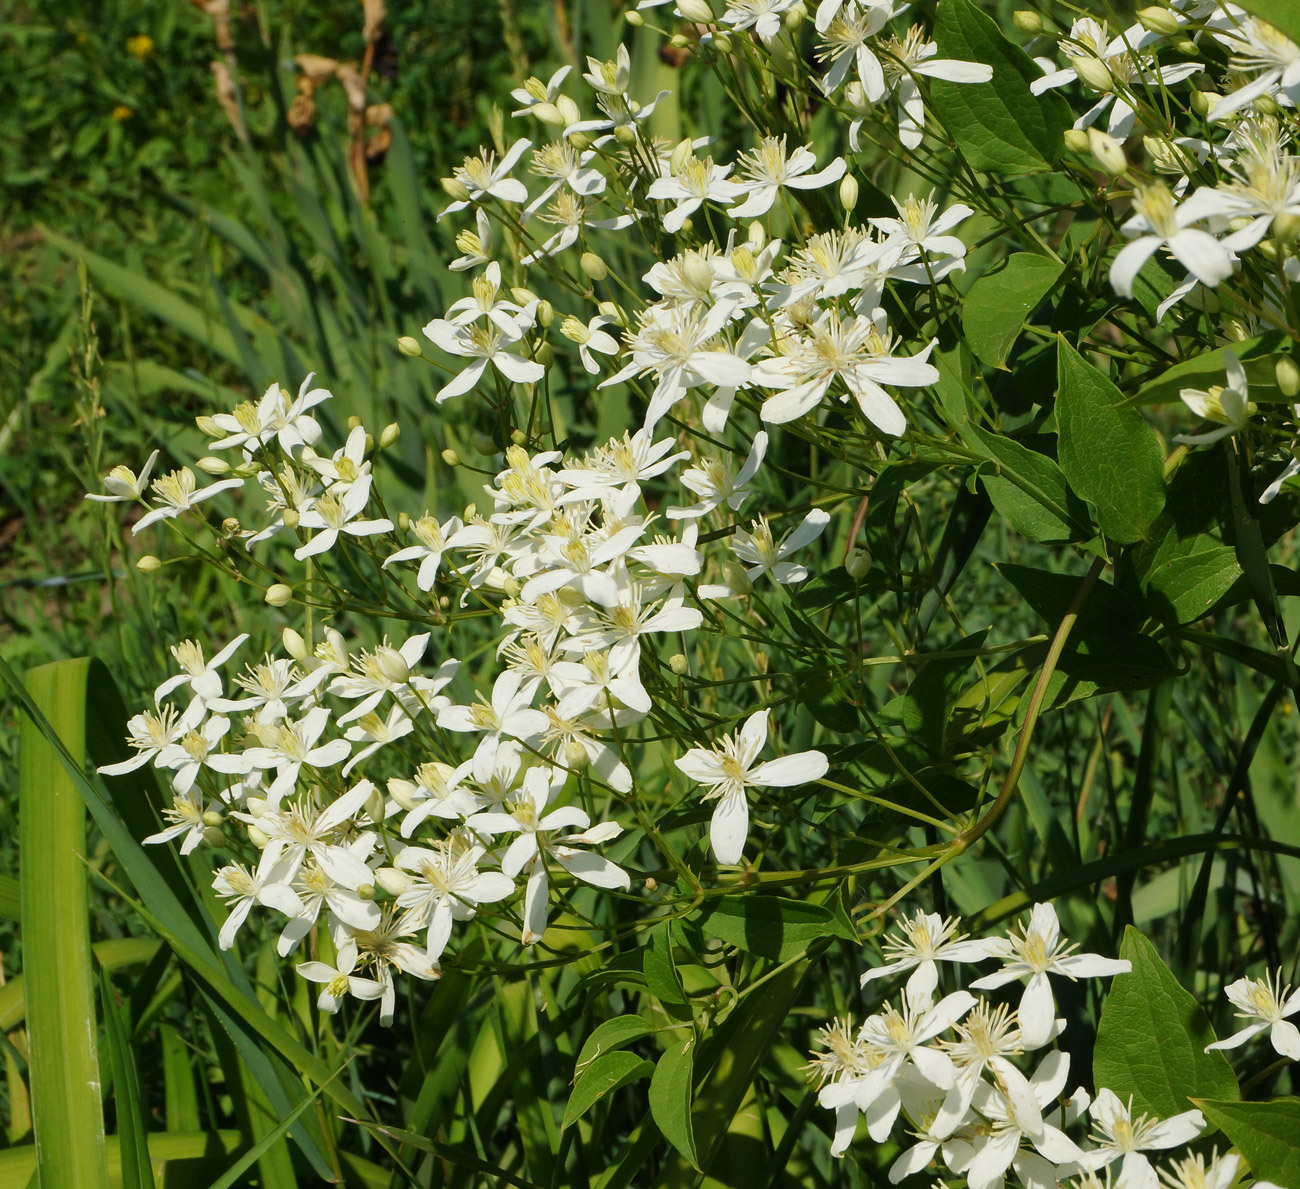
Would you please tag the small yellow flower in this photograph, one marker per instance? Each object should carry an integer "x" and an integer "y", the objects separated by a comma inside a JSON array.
[
  {"x": 121, "y": 112},
  {"x": 140, "y": 46}
]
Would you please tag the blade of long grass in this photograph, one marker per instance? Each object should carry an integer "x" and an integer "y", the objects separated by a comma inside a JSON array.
[
  {"x": 111, "y": 955},
  {"x": 132, "y": 1129},
  {"x": 11, "y": 899},
  {"x": 63, "y": 1065},
  {"x": 18, "y": 1164},
  {"x": 180, "y": 1098}
]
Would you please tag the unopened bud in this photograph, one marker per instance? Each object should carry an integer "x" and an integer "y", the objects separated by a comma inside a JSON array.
[
  {"x": 857, "y": 563},
  {"x": 294, "y": 644},
  {"x": 614, "y": 312},
  {"x": 575, "y": 755},
  {"x": 484, "y": 445},
  {"x": 697, "y": 273},
  {"x": 522, "y": 294},
  {"x": 214, "y": 836},
  {"x": 354, "y": 422},
  {"x": 518, "y": 437},
  {"x": 1266, "y": 105},
  {"x": 1202, "y": 101},
  {"x": 409, "y": 346},
  {"x": 208, "y": 425},
  {"x": 450, "y": 457},
  {"x": 545, "y": 355},
  {"x": 848, "y": 192},
  {"x": 370, "y": 443},
  {"x": 625, "y": 134},
  {"x": 455, "y": 189},
  {"x": 651, "y": 884},
  {"x": 278, "y": 594},
  {"x": 291, "y": 518},
  {"x": 1108, "y": 152},
  {"x": 1158, "y": 20},
  {"x": 1287, "y": 375},
  {"x": 1093, "y": 72},
  {"x": 581, "y": 141},
  {"x": 571, "y": 112},
  {"x": 375, "y": 805},
  {"x": 795, "y": 16},
  {"x": 148, "y": 564},
  {"x": 444, "y": 601},
  {"x": 593, "y": 266},
  {"x": 756, "y": 235},
  {"x": 392, "y": 664},
  {"x": 1027, "y": 21},
  {"x": 695, "y": 10},
  {"x": 1268, "y": 249},
  {"x": 679, "y": 664},
  {"x": 511, "y": 587},
  {"x": 733, "y": 574},
  {"x": 257, "y": 806},
  {"x": 366, "y": 891},
  {"x": 213, "y": 818},
  {"x": 634, "y": 18},
  {"x": 257, "y": 838},
  {"x": 679, "y": 41},
  {"x": 1187, "y": 47},
  {"x": 389, "y": 434},
  {"x": 548, "y": 113},
  {"x": 393, "y": 880},
  {"x": 403, "y": 522},
  {"x": 683, "y": 151},
  {"x": 211, "y": 465},
  {"x": 1076, "y": 141},
  {"x": 545, "y": 314},
  {"x": 721, "y": 42}
]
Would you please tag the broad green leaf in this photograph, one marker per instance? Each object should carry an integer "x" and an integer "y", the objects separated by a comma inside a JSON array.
[
  {"x": 1281, "y": 14},
  {"x": 1268, "y": 1134},
  {"x": 1001, "y": 300},
  {"x": 610, "y": 1035},
  {"x": 1257, "y": 356},
  {"x": 660, "y": 969},
  {"x": 1152, "y": 1036},
  {"x": 1107, "y": 612},
  {"x": 1000, "y": 126},
  {"x": 768, "y": 926},
  {"x": 1108, "y": 452},
  {"x": 1184, "y": 589},
  {"x": 670, "y": 1096},
  {"x": 601, "y": 1078},
  {"x": 63, "y": 1066},
  {"x": 1029, "y": 489},
  {"x": 829, "y": 696}
]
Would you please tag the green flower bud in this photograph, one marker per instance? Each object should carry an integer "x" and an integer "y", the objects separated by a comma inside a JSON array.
[
  {"x": 257, "y": 838},
  {"x": 213, "y": 818},
  {"x": 213, "y": 836},
  {"x": 634, "y": 18},
  {"x": 625, "y": 134},
  {"x": 1093, "y": 72},
  {"x": 409, "y": 346},
  {"x": 593, "y": 266},
  {"x": 389, "y": 434},
  {"x": 722, "y": 42},
  {"x": 1202, "y": 101},
  {"x": 209, "y": 427},
  {"x": 733, "y": 574},
  {"x": 679, "y": 664},
  {"x": 545, "y": 356},
  {"x": 848, "y": 192},
  {"x": 484, "y": 445},
  {"x": 548, "y": 113},
  {"x": 291, "y": 518},
  {"x": 545, "y": 314},
  {"x": 857, "y": 563},
  {"x": 294, "y": 644},
  {"x": 455, "y": 189},
  {"x": 148, "y": 564},
  {"x": 278, "y": 594},
  {"x": 1076, "y": 141},
  {"x": 1107, "y": 151},
  {"x": 1027, "y": 21},
  {"x": 581, "y": 141},
  {"x": 575, "y": 756},
  {"x": 1287, "y": 375},
  {"x": 1158, "y": 20}
]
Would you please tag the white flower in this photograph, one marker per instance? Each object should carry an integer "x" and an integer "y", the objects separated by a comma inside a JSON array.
[
  {"x": 913, "y": 55},
  {"x": 121, "y": 483},
  {"x": 589, "y": 338},
  {"x": 716, "y": 483},
  {"x": 534, "y": 91},
  {"x": 303, "y": 831},
  {"x": 485, "y": 177},
  {"x": 243, "y": 889},
  {"x": 339, "y": 979},
  {"x": 697, "y": 181},
  {"x": 1036, "y": 950},
  {"x": 483, "y": 345},
  {"x": 1257, "y": 45},
  {"x": 274, "y": 416},
  {"x": 1265, "y": 1003},
  {"x": 1158, "y": 224},
  {"x": 184, "y": 816},
  {"x": 927, "y": 939},
  {"x": 728, "y": 769},
  {"x": 763, "y": 16},
  {"x": 1119, "y": 1134},
  {"x": 376, "y": 732},
  {"x": 149, "y": 733},
  {"x": 201, "y": 676},
  {"x": 332, "y": 515},
  {"x": 506, "y": 714},
  {"x": 767, "y": 169},
  {"x": 432, "y": 538},
  {"x": 1193, "y": 1172},
  {"x": 288, "y": 745},
  {"x": 1229, "y": 406},
  {"x": 179, "y": 492},
  {"x": 764, "y": 555},
  {"x": 197, "y": 749},
  {"x": 448, "y": 886}
]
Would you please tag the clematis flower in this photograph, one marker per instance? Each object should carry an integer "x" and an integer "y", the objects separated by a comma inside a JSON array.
[
  {"x": 1120, "y": 1136},
  {"x": 1265, "y": 1003},
  {"x": 339, "y": 980},
  {"x": 122, "y": 483},
  {"x": 928, "y": 939},
  {"x": 1230, "y": 406},
  {"x": 728, "y": 769},
  {"x": 179, "y": 492},
  {"x": 1156, "y": 224},
  {"x": 768, "y": 169}
]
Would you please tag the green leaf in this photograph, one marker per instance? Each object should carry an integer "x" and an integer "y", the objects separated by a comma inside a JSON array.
[
  {"x": 10, "y": 899},
  {"x": 1000, "y": 126},
  {"x": 63, "y": 1065},
  {"x": 660, "y": 970},
  {"x": 1001, "y": 300},
  {"x": 1029, "y": 489},
  {"x": 670, "y": 1097},
  {"x": 1266, "y": 1133},
  {"x": 132, "y": 1122},
  {"x": 1281, "y": 14},
  {"x": 1257, "y": 356},
  {"x": 768, "y": 926},
  {"x": 1108, "y": 452},
  {"x": 1152, "y": 1037},
  {"x": 610, "y": 1035},
  {"x": 1184, "y": 589},
  {"x": 601, "y": 1078}
]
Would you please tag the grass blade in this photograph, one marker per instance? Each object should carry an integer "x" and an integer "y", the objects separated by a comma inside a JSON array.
[
  {"x": 63, "y": 1065},
  {"x": 132, "y": 1129}
]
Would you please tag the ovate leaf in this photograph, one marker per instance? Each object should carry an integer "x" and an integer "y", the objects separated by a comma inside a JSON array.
[
  {"x": 1152, "y": 1037},
  {"x": 670, "y": 1096},
  {"x": 1108, "y": 452},
  {"x": 1000, "y": 126},
  {"x": 1001, "y": 300},
  {"x": 768, "y": 926},
  {"x": 601, "y": 1078},
  {"x": 1268, "y": 1134},
  {"x": 610, "y": 1035}
]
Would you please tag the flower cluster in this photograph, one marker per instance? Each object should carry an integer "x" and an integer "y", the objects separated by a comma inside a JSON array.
[{"x": 957, "y": 1071}]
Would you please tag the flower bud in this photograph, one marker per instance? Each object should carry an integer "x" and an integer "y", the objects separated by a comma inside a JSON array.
[
  {"x": 1027, "y": 21},
  {"x": 213, "y": 818},
  {"x": 208, "y": 425},
  {"x": 294, "y": 644},
  {"x": 545, "y": 314},
  {"x": 257, "y": 838},
  {"x": 571, "y": 112},
  {"x": 679, "y": 664},
  {"x": 393, "y": 880},
  {"x": 214, "y": 836},
  {"x": 389, "y": 434},
  {"x": 518, "y": 437},
  {"x": 548, "y": 113},
  {"x": 721, "y": 42},
  {"x": 257, "y": 806},
  {"x": 444, "y": 601},
  {"x": 1076, "y": 141},
  {"x": 392, "y": 664},
  {"x": 756, "y": 235},
  {"x": 634, "y": 18},
  {"x": 1287, "y": 375},
  {"x": 679, "y": 41},
  {"x": 455, "y": 189},
  {"x": 403, "y": 522},
  {"x": 697, "y": 273},
  {"x": 148, "y": 564},
  {"x": 1093, "y": 72},
  {"x": 1286, "y": 227},
  {"x": 278, "y": 594},
  {"x": 354, "y": 422},
  {"x": 1268, "y": 249},
  {"x": 848, "y": 192},
  {"x": 1202, "y": 101},
  {"x": 484, "y": 445},
  {"x": 511, "y": 588},
  {"x": 857, "y": 563},
  {"x": 733, "y": 574},
  {"x": 695, "y": 10},
  {"x": 1266, "y": 105},
  {"x": 651, "y": 884},
  {"x": 375, "y": 807},
  {"x": 614, "y": 312},
  {"x": 1158, "y": 20},
  {"x": 1108, "y": 152},
  {"x": 683, "y": 151},
  {"x": 1187, "y": 47},
  {"x": 522, "y": 294},
  {"x": 409, "y": 346},
  {"x": 450, "y": 457},
  {"x": 581, "y": 141},
  {"x": 795, "y": 16},
  {"x": 575, "y": 755},
  {"x": 545, "y": 356},
  {"x": 211, "y": 465},
  {"x": 625, "y": 134},
  {"x": 291, "y": 518},
  {"x": 593, "y": 266}
]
